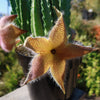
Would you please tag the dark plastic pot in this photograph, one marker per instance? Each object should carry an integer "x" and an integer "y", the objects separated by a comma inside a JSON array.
[
  {"x": 45, "y": 88},
  {"x": 23, "y": 61}
]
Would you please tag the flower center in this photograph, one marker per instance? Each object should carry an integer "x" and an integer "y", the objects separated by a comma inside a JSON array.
[{"x": 53, "y": 51}]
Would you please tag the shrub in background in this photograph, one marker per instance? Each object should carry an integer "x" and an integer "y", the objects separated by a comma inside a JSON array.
[
  {"x": 11, "y": 78},
  {"x": 10, "y": 72},
  {"x": 6, "y": 59},
  {"x": 92, "y": 72},
  {"x": 89, "y": 72}
]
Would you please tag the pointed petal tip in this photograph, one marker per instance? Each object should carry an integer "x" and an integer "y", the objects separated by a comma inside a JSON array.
[
  {"x": 18, "y": 30},
  {"x": 6, "y": 19},
  {"x": 23, "y": 31},
  {"x": 13, "y": 17},
  {"x": 27, "y": 80},
  {"x": 58, "y": 13},
  {"x": 96, "y": 49},
  {"x": 63, "y": 91},
  {"x": 9, "y": 18},
  {"x": 91, "y": 49}
]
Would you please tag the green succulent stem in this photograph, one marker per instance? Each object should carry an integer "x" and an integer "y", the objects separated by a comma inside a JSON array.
[
  {"x": 36, "y": 19},
  {"x": 38, "y": 16},
  {"x": 65, "y": 7},
  {"x": 46, "y": 16}
]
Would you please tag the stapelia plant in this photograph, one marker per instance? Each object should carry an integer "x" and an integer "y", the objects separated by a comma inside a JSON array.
[
  {"x": 8, "y": 32},
  {"x": 52, "y": 53}
]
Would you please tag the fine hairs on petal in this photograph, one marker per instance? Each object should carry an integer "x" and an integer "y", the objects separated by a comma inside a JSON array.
[
  {"x": 5, "y": 20},
  {"x": 33, "y": 80},
  {"x": 52, "y": 78},
  {"x": 57, "y": 84},
  {"x": 26, "y": 41},
  {"x": 27, "y": 80},
  {"x": 8, "y": 24},
  {"x": 15, "y": 24},
  {"x": 55, "y": 24},
  {"x": 38, "y": 79}
]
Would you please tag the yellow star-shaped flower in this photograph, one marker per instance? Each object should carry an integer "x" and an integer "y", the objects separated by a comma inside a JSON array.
[{"x": 52, "y": 53}]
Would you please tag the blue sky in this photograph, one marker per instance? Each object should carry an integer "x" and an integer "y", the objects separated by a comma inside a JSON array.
[{"x": 3, "y": 7}]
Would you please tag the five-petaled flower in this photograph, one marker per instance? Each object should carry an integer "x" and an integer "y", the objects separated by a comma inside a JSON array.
[
  {"x": 8, "y": 32},
  {"x": 52, "y": 53}
]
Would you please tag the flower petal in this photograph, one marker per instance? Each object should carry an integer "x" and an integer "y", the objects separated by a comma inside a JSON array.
[
  {"x": 15, "y": 30},
  {"x": 0, "y": 42},
  {"x": 70, "y": 51},
  {"x": 58, "y": 33},
  {"x": 58, "y": 72},
  {"x": 39, "y": 66},
  {"x": 58, "y": 13},
  {"x": 39, "y": 45},
  {"x": 8, "y": 36},
  {"x": 6, "y": 19},
  {"x": 6, "y": 46}
]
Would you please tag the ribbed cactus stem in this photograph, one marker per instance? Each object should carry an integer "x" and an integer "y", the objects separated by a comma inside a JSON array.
[
  {"x": 65, "y": 6},
  {"x": 54, "y": 3},
  {"x": 25, "y": 16},
  {"x": 59, "y": 4},
  {"x": 18, "y": 12},
  {"x": 15, "y": 7},
  {"x": 18, "y": 9},
  {"x": 36, "y": 19},
  {"x": 38, "y": 16},
  {"x": 15, "y": 10},
  {"x": 46, "y": 16},
  {"x": 13, "y": 4}
]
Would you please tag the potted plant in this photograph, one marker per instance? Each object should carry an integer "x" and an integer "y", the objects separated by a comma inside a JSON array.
[{"x": 45, "y": 55}]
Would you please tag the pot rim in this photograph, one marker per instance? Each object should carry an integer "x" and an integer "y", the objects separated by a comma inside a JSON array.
[{"x": 21, "y": 54}]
